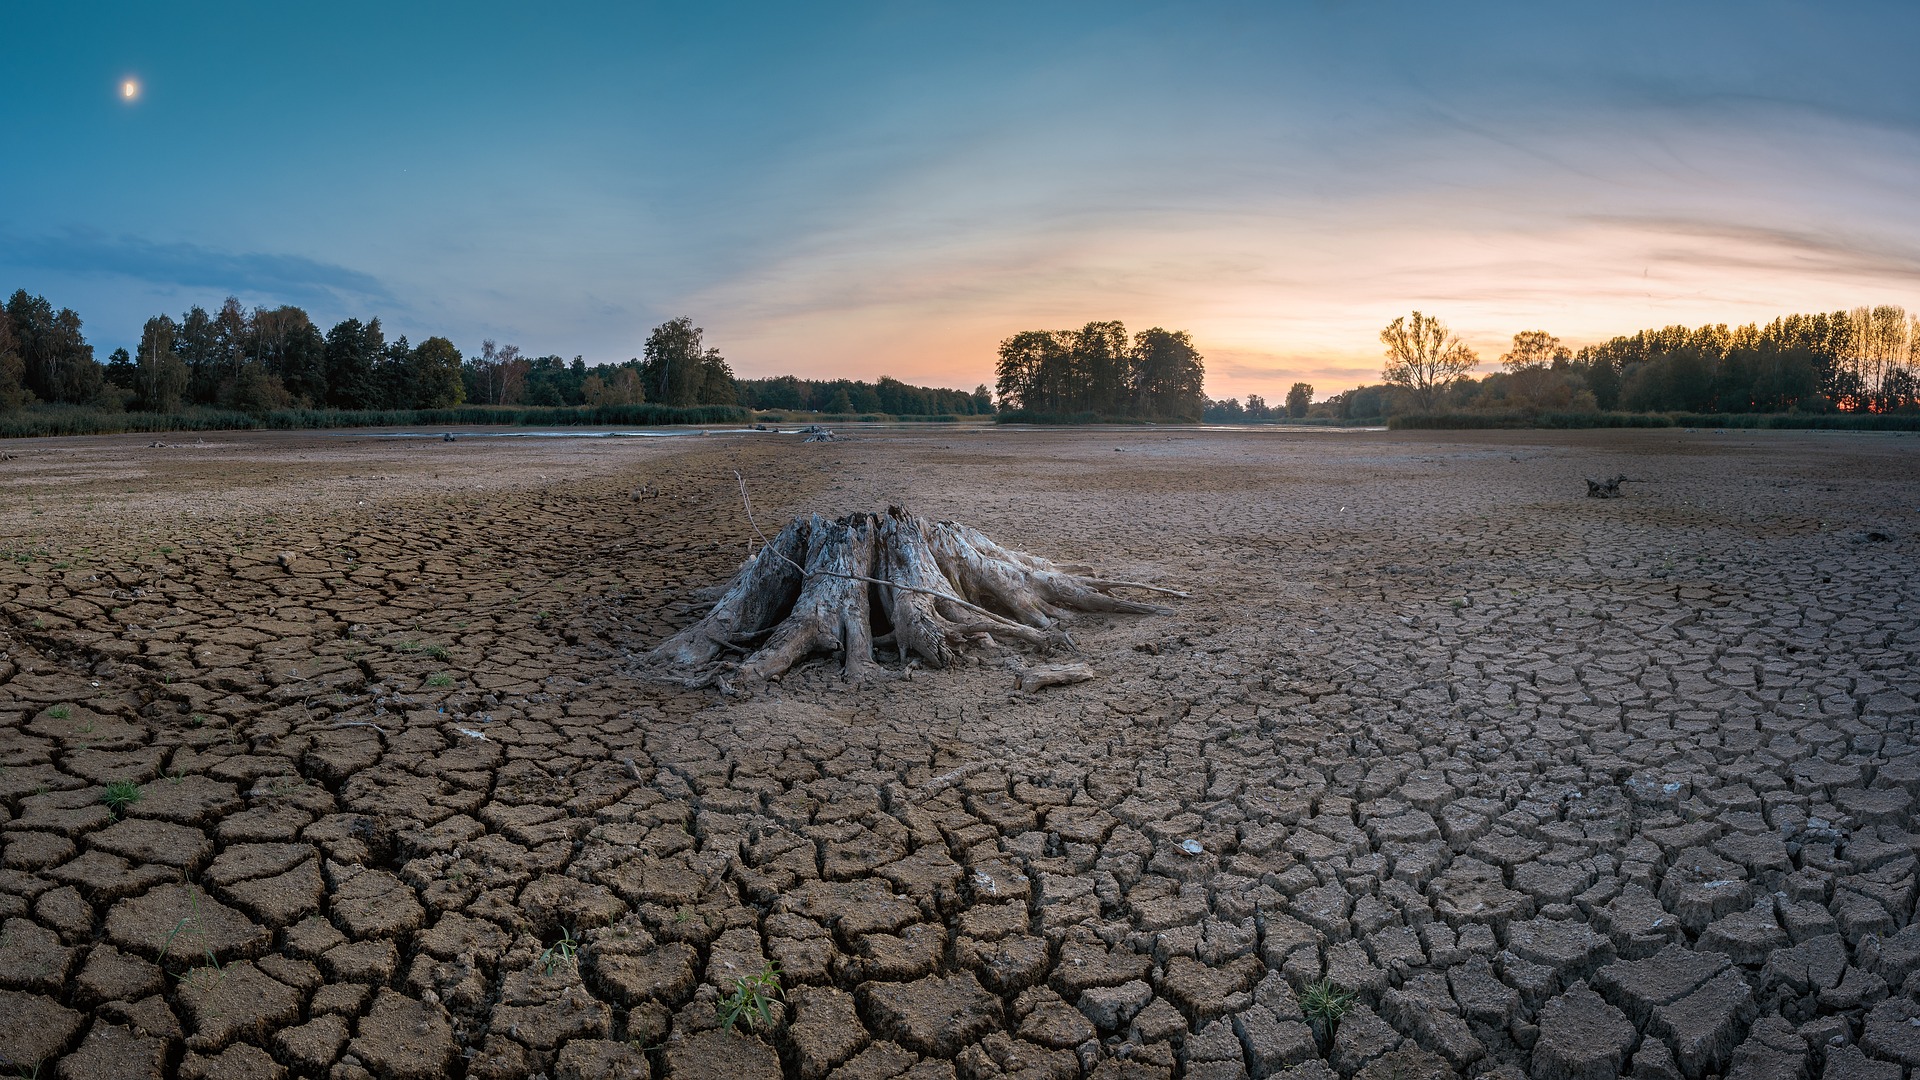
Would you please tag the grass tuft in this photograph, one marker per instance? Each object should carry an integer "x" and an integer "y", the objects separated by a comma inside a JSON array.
[{"x": 119, "y": 795}]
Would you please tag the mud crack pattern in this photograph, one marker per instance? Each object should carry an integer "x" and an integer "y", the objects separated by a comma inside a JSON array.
[{"x": 324, "y": 756}]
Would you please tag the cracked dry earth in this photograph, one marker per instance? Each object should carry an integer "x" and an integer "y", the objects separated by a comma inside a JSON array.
[{"x": 1554, "y": 787}]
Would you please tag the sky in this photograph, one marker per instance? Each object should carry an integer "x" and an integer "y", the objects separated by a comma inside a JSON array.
[{"x": 857, "y": 189}]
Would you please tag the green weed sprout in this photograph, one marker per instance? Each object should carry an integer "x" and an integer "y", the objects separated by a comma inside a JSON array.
[
  {"x": 752, "y": 999},
  {"x": 562, "y": 953},
  {"x": 1325, "y": 1001}
]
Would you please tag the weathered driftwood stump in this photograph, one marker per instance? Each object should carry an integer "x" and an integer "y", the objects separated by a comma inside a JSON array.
[
  {"x": 1605, "y": 489},
  {"x": 927, "y": 589}
]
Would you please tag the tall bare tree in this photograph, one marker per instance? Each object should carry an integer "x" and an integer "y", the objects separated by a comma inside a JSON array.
[
  {"x": 498, "y": 373},
  {"x": 1423, "y": 357},
  {"x": 1880, "y": 346}
]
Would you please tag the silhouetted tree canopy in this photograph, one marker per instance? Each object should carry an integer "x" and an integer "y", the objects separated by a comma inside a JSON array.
[
  {"x": 1299, "y": 400},
  {"x": 1863, "y": 359},
  {"x": 889, "y": 395},
  {"x": 1424, "y": 357},
  {"x": 1158, "y": 374},
  {"x": 679, "y": 371}
]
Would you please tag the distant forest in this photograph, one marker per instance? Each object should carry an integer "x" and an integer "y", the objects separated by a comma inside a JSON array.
[
  {"x": 1863, "y": 361},
  {"x": 271, "y": 359},
  {"x": 889, "y": 396},
  {"x": 1097, "y": 371}
]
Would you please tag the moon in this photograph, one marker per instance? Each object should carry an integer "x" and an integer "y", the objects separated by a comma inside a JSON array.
[{"x": 130, "y": 89}]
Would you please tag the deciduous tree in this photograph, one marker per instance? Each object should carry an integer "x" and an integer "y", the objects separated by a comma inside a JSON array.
[
  {"x": 1100, "y": 372},
  {"x": 435, "y": 380},
  {"x": 497, "y": 374},
  {"x": 354, "y": 349},
  {"x": 1168, "y": 375},
  {"x": 716, "y": 380},
  {"x": 1423, "y": 357},
  {"x": 1033, "y": 370},
  {"x": 13, "y": 370},
  {"x": 673, "y": 368},
  {"x": 58, "y": 363},
  {"x": 1299, "y": 400},
  {"x": 161, "y": 376},
  {"x": 1533, "y": 348}
]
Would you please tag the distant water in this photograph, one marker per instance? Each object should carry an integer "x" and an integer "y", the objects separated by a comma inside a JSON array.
[
  {"x": 561, "y": 433},
  {"x": 1330, "y": 428}
]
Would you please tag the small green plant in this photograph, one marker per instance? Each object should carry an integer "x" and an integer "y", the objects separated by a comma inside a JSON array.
[
  {"x": 1325, "y": 1001},
  {"x": 752, "y": 999},
  {"x": 197, "y": 720},
  {"x": 119, "y": 795},
  {"x": 563, "y": 953},
  {"x": 282, "y": 786},
  {"x": 167, "y": 945},
  {"x": 440, "y": 681},
  {"x": 60, "y": 712},
  {"x": 438, "y": 652}
]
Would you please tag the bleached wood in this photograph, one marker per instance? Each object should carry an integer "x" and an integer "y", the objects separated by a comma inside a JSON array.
[
  {"x": 942, "y": 587},
  {"x": 754, "y": 601}
]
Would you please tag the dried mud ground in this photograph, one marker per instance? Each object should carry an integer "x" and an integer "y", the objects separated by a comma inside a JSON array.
[{"x": 1550, "y": 786}]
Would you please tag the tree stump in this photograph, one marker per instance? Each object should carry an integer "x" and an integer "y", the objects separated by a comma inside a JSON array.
[
  {"x": 1605, "y": 489},
  {"x": 927, "y": 589}
]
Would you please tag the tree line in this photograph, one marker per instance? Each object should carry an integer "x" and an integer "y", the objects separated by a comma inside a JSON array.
[
  {"x": 889, "y": 395},
  {"x": 1156, "y": 374},
  {"x": 268, "y": 359},
  {"x": 1864, "y": 360},
  {"x": 1298, "y": 403}
]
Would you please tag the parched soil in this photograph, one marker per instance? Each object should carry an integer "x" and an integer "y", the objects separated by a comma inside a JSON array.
[{"x": 327, "y": 756}]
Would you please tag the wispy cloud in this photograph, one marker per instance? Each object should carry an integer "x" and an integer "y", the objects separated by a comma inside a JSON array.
[
  {"x": 292, "y": 278},
  {"x": 1867, "y": 258}
]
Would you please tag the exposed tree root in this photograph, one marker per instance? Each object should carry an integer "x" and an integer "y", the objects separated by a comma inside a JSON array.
[
  {"x": 1039, "y": 678},
  {"x": 932, "y": 589},
  {"x": 764, "y": 588}
]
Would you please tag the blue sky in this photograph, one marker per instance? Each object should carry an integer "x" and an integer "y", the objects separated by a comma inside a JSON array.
[{"x": 891, "y": 188}]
